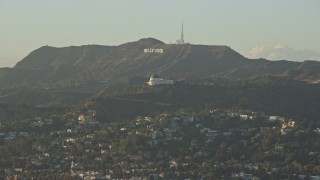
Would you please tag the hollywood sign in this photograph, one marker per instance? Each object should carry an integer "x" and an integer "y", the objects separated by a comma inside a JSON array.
[{"x": 150, "y": 50}]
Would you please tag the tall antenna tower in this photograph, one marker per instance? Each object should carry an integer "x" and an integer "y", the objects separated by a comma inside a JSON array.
[
  {"x": 181, "y": 40},
  {"x": 182, "y": 37}
]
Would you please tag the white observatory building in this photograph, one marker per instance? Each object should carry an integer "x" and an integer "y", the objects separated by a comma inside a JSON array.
[{"x": 156, "y": 80}]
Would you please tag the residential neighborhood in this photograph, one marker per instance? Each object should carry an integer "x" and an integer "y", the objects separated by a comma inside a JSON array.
[{"x": 210, "y": 143}]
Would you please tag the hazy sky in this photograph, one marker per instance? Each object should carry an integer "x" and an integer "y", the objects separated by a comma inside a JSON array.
[{"x": 252, "y": 27}]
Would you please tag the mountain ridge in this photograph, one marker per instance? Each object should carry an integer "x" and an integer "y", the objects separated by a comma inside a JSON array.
[{"x": 96, "y": 62}]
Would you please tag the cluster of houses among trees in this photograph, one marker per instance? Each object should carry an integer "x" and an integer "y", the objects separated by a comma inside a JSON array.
[{"x": 204, "y": 144}]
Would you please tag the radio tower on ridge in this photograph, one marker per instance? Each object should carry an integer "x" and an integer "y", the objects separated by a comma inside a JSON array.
[{"x": 181, "y": 40}]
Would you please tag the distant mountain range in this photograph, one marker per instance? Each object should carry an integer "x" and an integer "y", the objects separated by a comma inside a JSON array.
[{"x": 145, "y": 57}]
